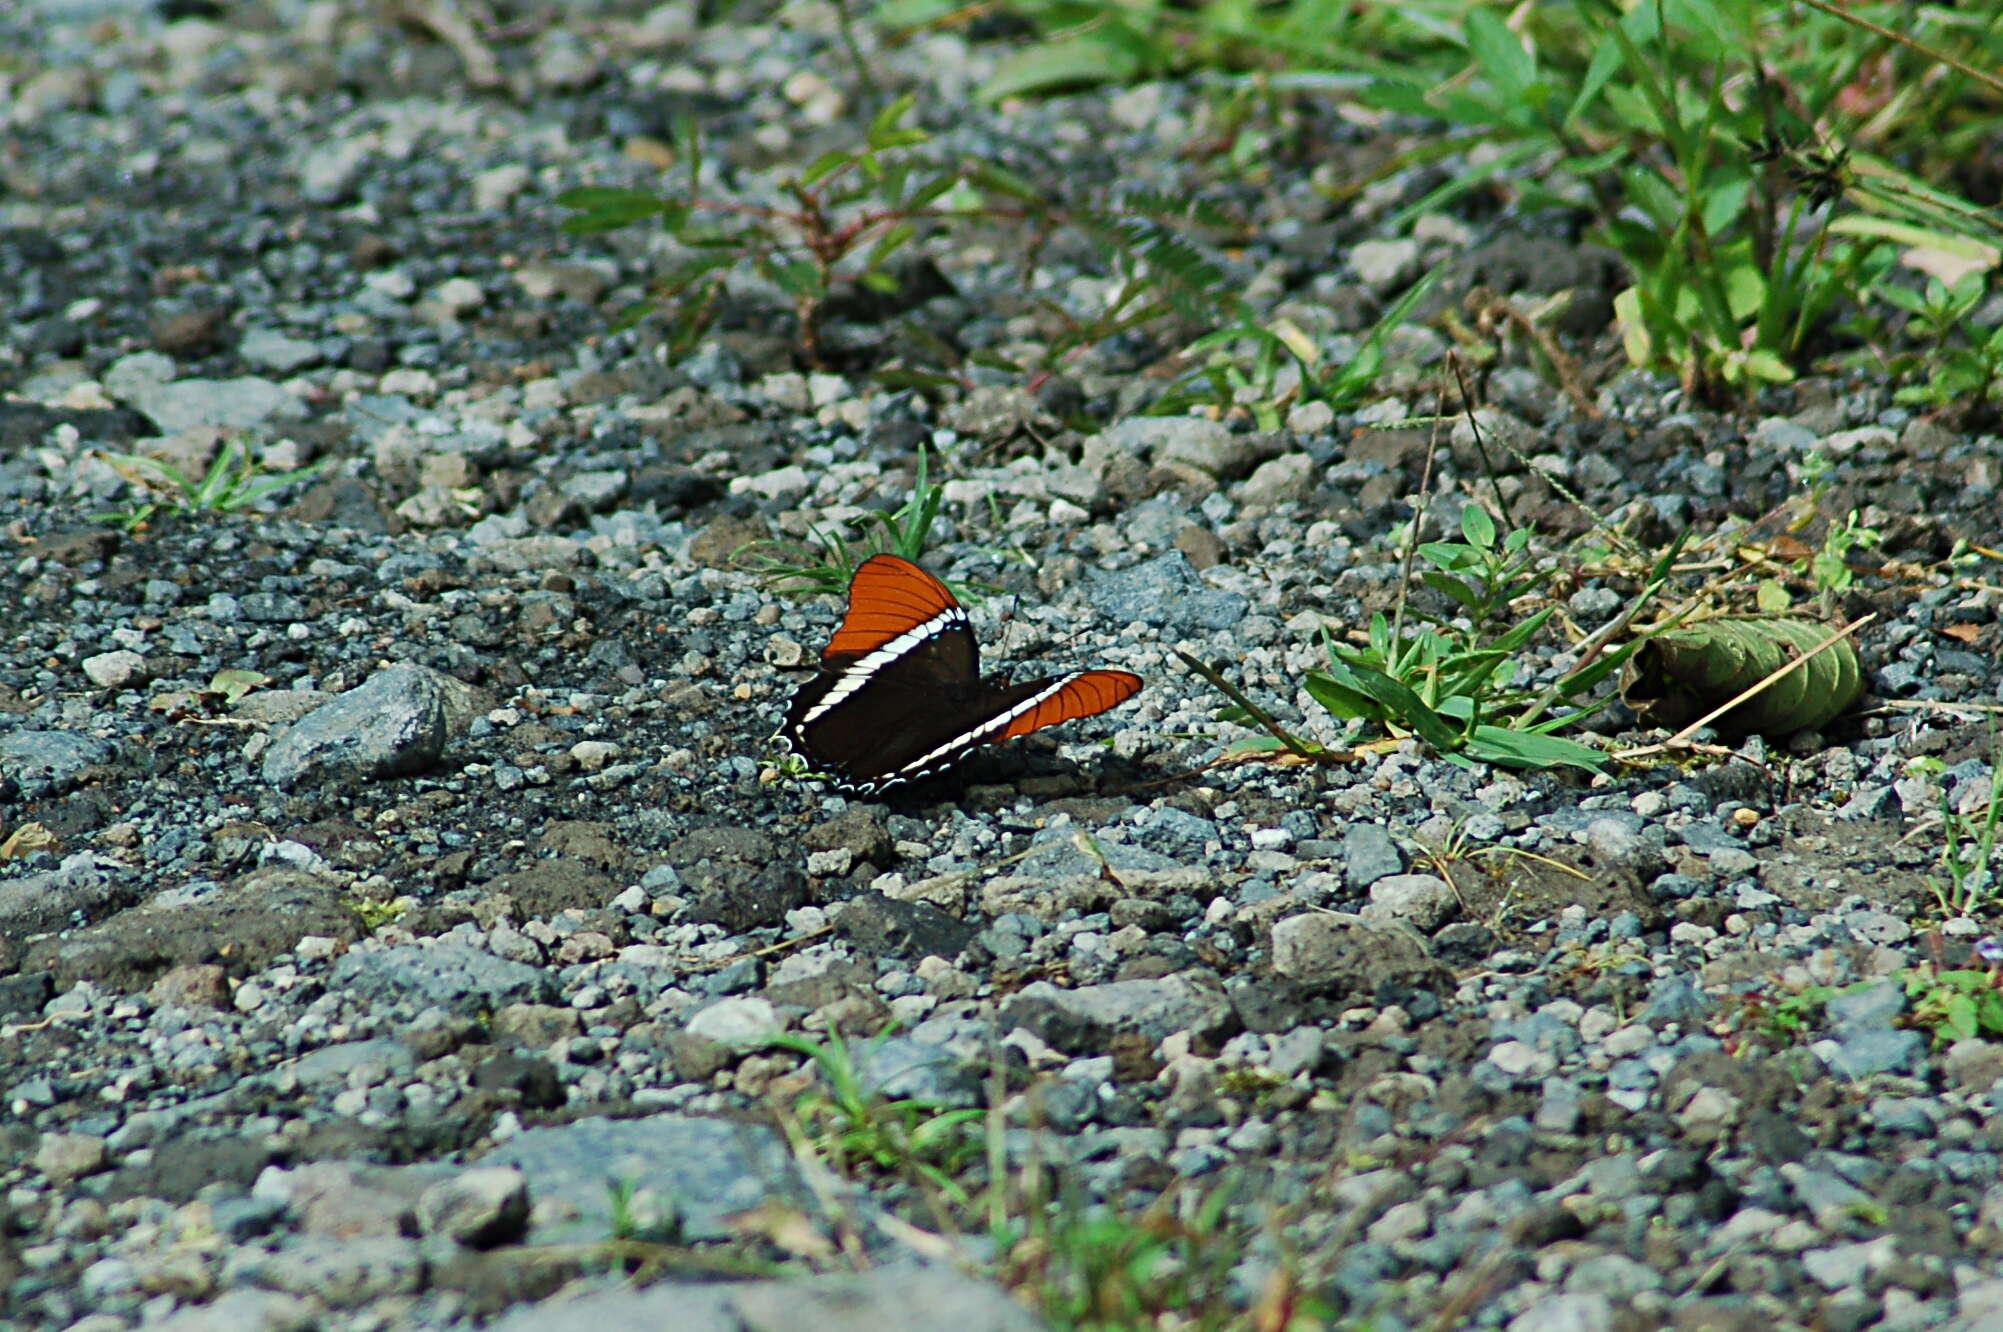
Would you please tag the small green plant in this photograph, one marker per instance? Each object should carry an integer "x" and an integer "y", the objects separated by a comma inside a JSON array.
[
  {"x": 1789, "y": 1021},
  {"x": 374, "y": 913},
  {"x": 852, "y": 211},
  {"x": 629, "y": 1224},
  {"x": 1283, "y": 367},
  {"x": 902, "y": 532},
  {"x": 1971, "y": 873},
  {"x": 1448, "y": 679},
  {"x": 1829, "y": 568},
  {"x": 1101, "y": 1269},
  {"x": 234, "y": 481},
  {"x": 858, "y": 1129},
  {"x": 1957, "y": 1005},
  {"x": 855, "y": 210},
  {"x": 1962, "y": 360},
  {"x": 1451, "y": 681}
]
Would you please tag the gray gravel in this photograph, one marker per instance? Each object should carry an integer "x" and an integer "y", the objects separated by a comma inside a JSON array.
[{"x": 413, "y": 895}]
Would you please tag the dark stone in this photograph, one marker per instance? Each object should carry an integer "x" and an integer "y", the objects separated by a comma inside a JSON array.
[
  {"x": 241, "y": 928},
  {"x": 529, "y": 1077},
  {"x": 914, "y": 930},
  {"x": 863, "y": 829},
  {"x": 451, "y": 975},
  {"x": 189, "y": 1165},
  {"x": 551, "y": 886},
  {"x": 25, "y": 993}
]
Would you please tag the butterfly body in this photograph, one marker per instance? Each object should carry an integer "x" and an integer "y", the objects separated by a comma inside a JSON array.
[{"x": 899, "y": 694}]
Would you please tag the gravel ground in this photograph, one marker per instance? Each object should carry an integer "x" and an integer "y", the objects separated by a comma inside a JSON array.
[{"x": 334, "y": 991}]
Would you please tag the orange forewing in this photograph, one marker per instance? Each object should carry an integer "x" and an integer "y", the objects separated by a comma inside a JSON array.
[{"x": 887, "y": 597}]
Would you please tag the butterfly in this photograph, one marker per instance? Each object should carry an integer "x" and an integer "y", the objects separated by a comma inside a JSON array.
[{"x": 899, "y": 693}]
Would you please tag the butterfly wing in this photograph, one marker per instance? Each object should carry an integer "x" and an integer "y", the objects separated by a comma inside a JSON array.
[
  {"x": 895, "y": 607},
  {"x": 1035, "y": 704},
  {"x": 899, "y": 694},
  {"x": 903, "y": 649}
]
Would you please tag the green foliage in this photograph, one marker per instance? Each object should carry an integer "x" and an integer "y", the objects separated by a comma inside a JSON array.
[
  {"x": 1789, "y": 1021},
  {"x": 1711, "y": 141},
  {"x": 1971, "y": 873},
  {"x": 1738, "y": 155},
  {"x": 1444, "y": 681},
  {"x": 374, "y": 913},
  {"x": 853, "y": 210},
  {"x": 1957, "y": 1005},
  {"x": 1452, "y": 681},
  {"x": 234, "y": 481},
  {"x": 902, "y": 532},
  {"x": 1961, "y": 358},
  {"x": 1829, "y": 567},
  {"x": 1101, "y": 1269},
  {"x": 638, "y": 1217},
  {"x": 858, "y": 1129},
  {"x": 1242, "y": 363}
]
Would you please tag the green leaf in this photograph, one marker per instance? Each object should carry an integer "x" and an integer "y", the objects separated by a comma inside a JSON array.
[
  {"x": 1500, "y": 54},
  {"x": 887, "y": 245},
  {"x": 1520, "y": 633},
  {"x": 1340, "y": 700},
  {"x": 1524, "y": 749},
  {"x": 1066, "y": 62},
  {"x": 932, "y": 190},
  {"x": 586, "y": 224},
  {"x": 1723, "y": 203},
  {"x": 1745, "y": 290},
  {"x": 1000, "y": 180},
  {"x": 795, "y": 277},
  {"x": 1477, "y": 526},
  {"x": 823, "y": 166},
  {"x": 1448, "y": 586},
  {"x": 1257, "y": 744},
  {"x": 594, "y": 198},
  {"x": 1400, "y": 702},
  {"x": 884, "y": 131}
]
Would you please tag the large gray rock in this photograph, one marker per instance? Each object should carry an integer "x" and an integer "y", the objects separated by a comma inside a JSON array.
[
  {"x": 1165, "y": 591},
  {"x": 685, "y": 1174},
  {"x": 457, "y": 977},
  {"x": 42, "y": 763},
  {"x": 1082, "y": 1020},
  {"x": 390, "y": 725}
]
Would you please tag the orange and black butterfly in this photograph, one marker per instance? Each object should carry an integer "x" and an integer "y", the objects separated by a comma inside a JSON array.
[{"x": 899, "y": 694}]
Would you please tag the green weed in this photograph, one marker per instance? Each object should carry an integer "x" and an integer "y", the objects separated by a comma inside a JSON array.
[
  {"x": 1739, "y": 156},
  {"x": 1959, "y": 358},
  {"x": 1957, "y": 1005},
  {"x": 1971, "y": 874},
  {"x": 859, "y": 1131},
  {"x": 234, "y": 481},
  {"x": 640, "y": 1218},
  {"x": 831, "y": 558},
  {"x": 1097, "y": 1268}
]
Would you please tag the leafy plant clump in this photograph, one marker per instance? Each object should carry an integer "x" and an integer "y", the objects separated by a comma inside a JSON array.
[
  {"x": 1455, "y": 681},
  {"x": 832, "y": 556},
  {"x": 1449, "y": 680},
  {"x": 1102, "y": 1269},
  {"x": 854, "y": 218},
  {"x": 857, "y": 1129},
  {"x": 1738, "y": 155},
  {"x": 234, "y": 481},
  {"x": 1970, "y": 881},
  {"x": 1957, "y": 1005},
  {"x": 851, "y": 213}
]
